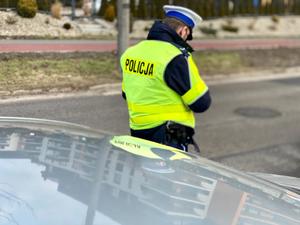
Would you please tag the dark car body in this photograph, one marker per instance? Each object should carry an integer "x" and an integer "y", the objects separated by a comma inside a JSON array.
[{"x": 59, "y": 173}]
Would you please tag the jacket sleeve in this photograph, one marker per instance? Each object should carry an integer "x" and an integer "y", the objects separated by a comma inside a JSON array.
[{"x": 184, "y": 79}]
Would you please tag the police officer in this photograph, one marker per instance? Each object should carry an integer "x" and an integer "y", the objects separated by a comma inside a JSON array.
[{"x": 161, "y": 82}]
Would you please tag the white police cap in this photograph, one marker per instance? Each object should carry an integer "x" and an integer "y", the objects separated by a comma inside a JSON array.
[{"x": 185, "y": 15}]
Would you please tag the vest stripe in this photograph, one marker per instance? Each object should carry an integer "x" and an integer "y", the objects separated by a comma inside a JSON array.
[
  {"x": 179, "y": 117},
  {"x": 195, "y": 93},
  {"x": 150, "y": 109}
]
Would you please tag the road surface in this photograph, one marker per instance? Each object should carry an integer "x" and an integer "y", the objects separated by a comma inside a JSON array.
[{"x": 253, "y": 126}]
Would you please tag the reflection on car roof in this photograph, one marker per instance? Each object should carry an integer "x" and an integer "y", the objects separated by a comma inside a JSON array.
[{"x": 124, "y": 180}]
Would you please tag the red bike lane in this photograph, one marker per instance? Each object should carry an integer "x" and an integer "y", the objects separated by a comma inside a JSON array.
[{"x": 41, "y": 46}]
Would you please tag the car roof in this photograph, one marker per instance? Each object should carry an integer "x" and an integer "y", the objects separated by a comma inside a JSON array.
[{"x": 61, "y": 173}]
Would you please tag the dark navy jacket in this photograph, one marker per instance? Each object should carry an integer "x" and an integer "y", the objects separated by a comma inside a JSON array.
[{"x": 176, "y": 74}]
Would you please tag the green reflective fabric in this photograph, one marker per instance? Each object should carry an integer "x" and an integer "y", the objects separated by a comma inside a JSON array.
[{"x": 150, "y": 101}]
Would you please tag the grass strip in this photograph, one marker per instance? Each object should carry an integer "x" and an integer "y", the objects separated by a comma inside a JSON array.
[{"x": 29, "y": 71}]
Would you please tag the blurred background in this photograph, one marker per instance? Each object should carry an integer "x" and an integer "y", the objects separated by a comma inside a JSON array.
[{"x": 59, "y": 60}]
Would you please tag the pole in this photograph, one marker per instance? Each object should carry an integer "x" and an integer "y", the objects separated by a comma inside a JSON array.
[
  {"x": 123, "y": 26},
  {"x": 93, "y": 8},
  {"x": 73, "y": 9}
]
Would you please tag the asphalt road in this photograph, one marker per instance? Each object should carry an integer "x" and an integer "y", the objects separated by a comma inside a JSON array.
[
  {"x": 111, "y": 45},
  {"x": 253, "y": 126}
]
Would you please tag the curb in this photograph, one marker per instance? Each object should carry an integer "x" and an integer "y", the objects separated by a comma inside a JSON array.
[{"x": 255, "y": 76}]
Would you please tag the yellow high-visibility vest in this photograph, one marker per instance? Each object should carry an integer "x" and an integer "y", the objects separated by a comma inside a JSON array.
[{"x": 150, "y": 101}]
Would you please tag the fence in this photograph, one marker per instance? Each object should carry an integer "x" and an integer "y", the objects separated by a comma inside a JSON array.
[
  {"x": 147, "y": 9},
  {"x": 8, "y": 3},
  {"x": 218, "y": 8},
  {"x": 42, "y": 4}
]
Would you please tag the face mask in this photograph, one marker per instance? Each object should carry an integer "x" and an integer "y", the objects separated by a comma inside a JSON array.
[
  {"x": 190, "y": 37},
  {"x": 183, "y": 34}
]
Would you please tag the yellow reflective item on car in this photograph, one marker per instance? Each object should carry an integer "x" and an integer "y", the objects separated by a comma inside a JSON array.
[{"x": 146, "y": 148}]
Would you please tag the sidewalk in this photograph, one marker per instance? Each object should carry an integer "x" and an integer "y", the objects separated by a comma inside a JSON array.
[{"x": 109, "y": 46}]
